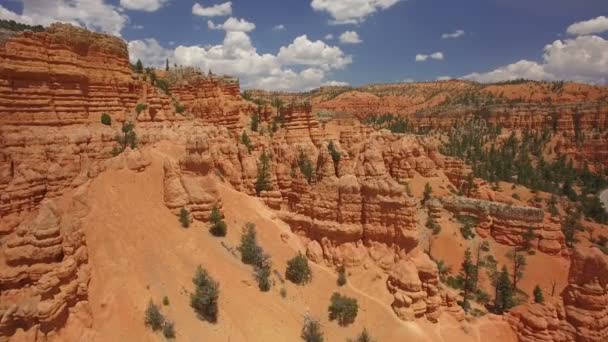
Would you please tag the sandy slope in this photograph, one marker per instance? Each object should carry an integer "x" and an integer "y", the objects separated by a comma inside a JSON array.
[{"x": 139, "y": 252}]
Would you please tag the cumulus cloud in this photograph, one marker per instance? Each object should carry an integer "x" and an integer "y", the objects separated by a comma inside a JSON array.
[
  {"x": 93, "y": 14},
  {"x": 408, "y": 80},
  {"x": 149, "y": 51},
  {"x": 280, "y": 27},
  {"x": 306, "y": 52},
  {"x": 335, "y": 84},
  {"x": 596, "y": 25},
  {"x": 444, "y": 78},
  {"x": 301, "y": 65},
  {"x": 350, "y": 11},
  {"x": 438, "y": 56},
  {"x": 143, "y": 5},
  {"x": 453, "y": 35},
  {"x": 350, "y": 37},
  {"x": 219, "y": 10},
  {"x": 329, "y": 36},
  {"x": 583, "y": 59},
  {"x": 232, "y": 24}
]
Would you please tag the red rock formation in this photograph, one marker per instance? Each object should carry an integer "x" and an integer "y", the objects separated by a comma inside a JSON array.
[
  {"x": 212, "y": 99},
  {"x": 43, "y": 271},
  {"x": 581, "y": 314},
  {"x": 414, "y": 284},
  {"x": 508, "y": 223}
]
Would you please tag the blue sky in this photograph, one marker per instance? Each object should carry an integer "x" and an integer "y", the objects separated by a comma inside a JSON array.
[{"x": 489, "y": 40}]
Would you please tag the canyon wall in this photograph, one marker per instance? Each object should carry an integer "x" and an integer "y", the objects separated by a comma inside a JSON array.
[{"x": 579, "y": 314}]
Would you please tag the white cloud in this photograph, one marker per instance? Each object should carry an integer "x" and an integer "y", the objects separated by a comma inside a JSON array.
[
  {"x": 408, "y": 80},
  {"x": 137, "y": 27},
  {"x": 597, "y": 25},
  {"x": 306, "y": 52},
  {"x": 455, "y": 34},
  {"x": 350, "y": 37},
  {"x": 279, "y": 28},
  {"x": 302, "y": 65},
  {"x": 438, "y": 56},
  {"x": 149, "y": 51},
  {"x": 93, "y": 14},
  {"x": 444, "y": 78},
  {"x": 232, "y": 24},
  {"x": 351, "y": 11},
  {"x": 219, "y": 10},
  {"x": 329, "y": 36},
  {"x": 583, "y": 59},
  {"x": 335, "y": 84},
  {"x": 143, "y": 5}
]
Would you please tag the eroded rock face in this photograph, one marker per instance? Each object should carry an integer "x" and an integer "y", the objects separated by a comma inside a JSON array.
[
  {"x": 195, "y": 195},
  {"x": 43, "y": 271},
  {"x": 508, "y": 223},
  {"x": 414, "y": 283},
  {"x": 581, "y": 314}
]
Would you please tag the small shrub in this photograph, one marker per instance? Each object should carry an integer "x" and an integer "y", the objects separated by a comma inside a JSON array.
[
  {"x": 538, "y": 295},
  {"x": 184, "y": 217},
  {"x": 467, "y": 231},
  {"x": 516, "y": 196},
  {"x": 204, "y": 300},
  {"x": 311, "y": 331},
  {"x": 179, "y": 108},
  {"x": 250, "y": 251},
  {"x": 253, "y": 254},
  {"x": 245, "y": 140},
  {"x": 169, "y": 330},
  {"x": 140, "y": 107},
  {"x": 154, "y": 318},
  {"x": 106, "y": 119},
  {"x": 305, "y": 166},
  {"x": 343, "y": 308},
  {"x": 218, "y": 226},
  {"x": 298, "y": 271},
  {"x": 283, "y": 292},
  {"x": 127, "y": 139},
  {"x": 364, "y": 336},
  {"x": 165, "y": 301},
  {"x": 255, "y": 122},
  {"x": 341, "y": 276}
]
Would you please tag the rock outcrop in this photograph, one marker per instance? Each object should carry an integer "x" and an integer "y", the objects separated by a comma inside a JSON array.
[
  {"x": 195, "y": 195},
  {"x": 508, "y": 223},
  {"x": 581, "y": 314},
  {"x": 43, "y": 271}
]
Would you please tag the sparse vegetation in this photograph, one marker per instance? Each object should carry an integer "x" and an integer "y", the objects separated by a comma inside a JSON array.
[
  {"x": 179, "y": 108},
  {"x": 154, "y": 318},
  {"x": 127, "y": 139},
  {"x": 427, "y": 194},
  {"x": 343, "y": 308},
  {"x": 140, "y": 108},
  {"x": 503, "y": 300},
  {"x": 364, "y": 336},
  {"x": 184, "y": 218},
  {"x": 305, "y": 166},
  {"x": 298, "y": 271},
  {"x": 106, "y": 119},
  {"x": 341, "y": 276},
  {"x": 262, "y": 182},
  {"x": 12, "y": 25},
  {"x": 519, "y": 265},
  {"x": 253, "y": 254},
  {"x": 245, "y": 140},
  {"x": 204, "y": 300},
  {"x": 218, "y": 226},
  {"x": 311, "y": 331},
  {"x": 255, "y": 122},
  {"x": 169, "y": 330},
  {"x": 538, "y": 295},
  {"x": 166, "y": 301}
]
